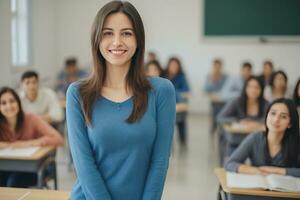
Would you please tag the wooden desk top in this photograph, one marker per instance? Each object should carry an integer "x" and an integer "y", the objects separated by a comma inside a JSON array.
[
  {"x": 221, "y": 175},
  {"x": 241, "y": 130},
  {"x": 32, "y": 194},
  {"x": 36, "y": 156}
]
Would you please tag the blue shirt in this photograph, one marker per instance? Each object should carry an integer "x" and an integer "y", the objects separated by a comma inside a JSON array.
[
  {"x": 214, "y": 86},
  {"x": 180, "y": 83},
  {"x": 117, "y": 160}
]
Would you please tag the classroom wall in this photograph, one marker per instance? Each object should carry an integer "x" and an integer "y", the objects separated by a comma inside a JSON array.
[{"x": 173, "y": 27}]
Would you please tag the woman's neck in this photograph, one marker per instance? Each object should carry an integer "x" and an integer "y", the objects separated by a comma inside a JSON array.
[
  {"x": 116, "y": 76},
  {"x": 274, "y": 139}
]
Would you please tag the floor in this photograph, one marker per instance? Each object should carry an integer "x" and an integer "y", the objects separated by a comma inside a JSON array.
[{"x": 190, "y": 174}]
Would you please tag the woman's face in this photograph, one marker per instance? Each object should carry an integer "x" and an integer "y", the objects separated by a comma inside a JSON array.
[
  {"x": 253, "y": 89},
  {"x": 118, "y": 41},
  {"x": 8, "y": 105},
  {"x": 173, "y": 68},
  {"x": 153, "y": 70},
  {"x": 278, "y": 118},
  {"x": 279, "y": 81}
]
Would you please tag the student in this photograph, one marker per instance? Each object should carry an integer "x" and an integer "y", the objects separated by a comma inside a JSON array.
[
  {"x": 213, "y": 86},
  {"x": 19, "y": 129},
  {"x": 70, "y": 74},
  {"x": 278, "y": 86},
  {"x": 247, "y": 109},
  {"x": 153, "y": 68},
  {"x": 120, "y": 123},
  {"x": 234, "y": 84},
  {"x": 296, "y": 96},
  {"x": 41, "y": 101},
  {"x": 267, "y": 72},
  {"x": 175, "y": 74},
  {"x": 275, "y": 151}
]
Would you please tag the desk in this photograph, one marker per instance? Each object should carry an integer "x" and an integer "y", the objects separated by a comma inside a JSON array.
[
  {"x": 32, "y": 194},
  {"x": 238, "y": 193},
  {"x": 32, "y": 164},
  {"x": 243, "y": 130}
]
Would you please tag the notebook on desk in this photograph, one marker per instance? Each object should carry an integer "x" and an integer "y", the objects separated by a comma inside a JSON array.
[
  {"x": 271, "y": 182},
  {"x": 18, "y": 152}
]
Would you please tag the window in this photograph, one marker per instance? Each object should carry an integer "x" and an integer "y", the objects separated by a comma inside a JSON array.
[{"x": 20, "y": 33}]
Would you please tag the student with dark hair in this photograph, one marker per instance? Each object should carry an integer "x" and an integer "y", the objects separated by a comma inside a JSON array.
[
  {"x": 68, "y": 75},
  {"x": 39, "y": 100},
  {"x": 19, "y": 129},
  {"x": 266, "y": 75},
  {"x": 120, "y": 122},
  {"x": 275, "y": 151},
  {"x": 234, "y": 84},
  {"x": 248, "y": 109},
  {"x": 175, "y": 74},
  {"x": 296, "y": 96},
  {"x": 278, "y": 87},
  {"x": 153, "y": 68}
]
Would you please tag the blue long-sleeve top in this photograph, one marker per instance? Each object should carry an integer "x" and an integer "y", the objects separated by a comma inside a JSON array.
[
  {"x": 180, "y": 83},
  {"x": 117, "y": 160},
  {"x": 214, "y": 86},
  {"x": 253, "y": 147}
]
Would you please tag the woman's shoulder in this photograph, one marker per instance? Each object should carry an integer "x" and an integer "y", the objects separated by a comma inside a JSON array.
[
  {"x": 31, "y": 117},
  {"x": 160, "y": 84},
  {"x": 74, "y": 88},
  {"x": 256, "y": 138}
]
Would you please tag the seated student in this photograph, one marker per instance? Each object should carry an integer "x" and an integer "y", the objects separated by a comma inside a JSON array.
[
  {"x": 68, "y": 75},
  {"x": 248, "y": 109},
  {"x": 278, "y": 86},
  {"x": 213, "y": 86},
  {"x": 153, "y": 68},
  {"x": 19, "y": 129},
  {"x": 41, "y": 101},
  {"x": 234, "y": 84},
  {"x": 275, "y": 151},
  {"x": 267, "y": 72},
  {"x": 175, "y": 74},
  {"x": 296, "y": 96}
]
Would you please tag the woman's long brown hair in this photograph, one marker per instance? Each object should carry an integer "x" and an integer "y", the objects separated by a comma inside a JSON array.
[{"x": 136, "y": 81}]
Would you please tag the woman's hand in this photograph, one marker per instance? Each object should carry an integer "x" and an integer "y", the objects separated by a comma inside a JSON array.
[
  {"x": 273, "y": 170},
  {"x": 247, "y": 169}
]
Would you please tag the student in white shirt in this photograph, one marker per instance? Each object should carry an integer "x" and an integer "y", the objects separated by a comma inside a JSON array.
[{"x": 41, "y": 101}]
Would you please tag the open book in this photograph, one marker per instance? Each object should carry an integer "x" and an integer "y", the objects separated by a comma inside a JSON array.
[
  {"x": 271, "y": 182},
  {"x": 18, "y": 152}
]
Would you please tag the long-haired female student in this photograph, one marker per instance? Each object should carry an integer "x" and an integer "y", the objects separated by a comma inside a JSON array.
[
  {"x": 19, "y": 129},
  {"x": 248, "y": 110},
  {"x": 278, "y": 87},
  {"x": 120, "y": 123},
  {"x": 275, "y": 151}
]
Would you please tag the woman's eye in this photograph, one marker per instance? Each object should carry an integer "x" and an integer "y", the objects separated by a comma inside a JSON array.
[
  {"x": 107, "y": 33},
  {"x": 127, "y": 33}
]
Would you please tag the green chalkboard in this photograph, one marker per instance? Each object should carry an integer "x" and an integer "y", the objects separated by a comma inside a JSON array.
[{"x": 252, "y": 17}]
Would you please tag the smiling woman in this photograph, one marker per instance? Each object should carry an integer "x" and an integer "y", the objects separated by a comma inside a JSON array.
[{"x": 120, "y": 123}]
